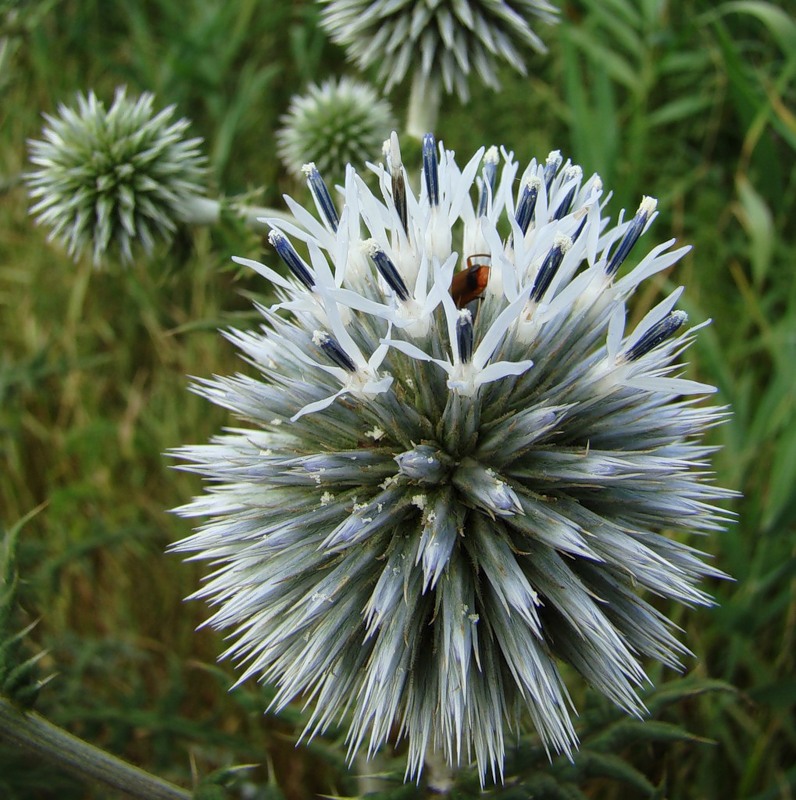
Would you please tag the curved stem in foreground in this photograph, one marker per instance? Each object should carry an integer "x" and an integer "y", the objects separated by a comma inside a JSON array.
[
  {"x": 35, "y": 735},
  {"x": 439, "y": 774}
]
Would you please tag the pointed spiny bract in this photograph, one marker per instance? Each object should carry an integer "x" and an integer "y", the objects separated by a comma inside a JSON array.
[
  {"x": 442, "y": 41},
  {"x": 434, "y": 505},
  {"x": 339, "y": 122},
  {"x": 106, "y": 178}
]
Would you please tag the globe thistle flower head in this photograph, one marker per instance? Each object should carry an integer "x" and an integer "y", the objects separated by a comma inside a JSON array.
[
  {"x": 443, "y": 41},
  {"x": 108, "y": 177},
  {"x": 458, "y": 468},
  {"x": 339, "y": 122}
]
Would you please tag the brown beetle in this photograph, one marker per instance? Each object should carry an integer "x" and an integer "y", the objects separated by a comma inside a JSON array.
[{"x": 470, "y": 283}]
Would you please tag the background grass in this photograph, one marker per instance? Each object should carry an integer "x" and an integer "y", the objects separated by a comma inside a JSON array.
[{"x": 691, "y": 102}]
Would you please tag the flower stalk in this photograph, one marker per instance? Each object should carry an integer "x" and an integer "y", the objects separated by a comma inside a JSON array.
[
  {"x": 208, "y": 211},
  {"x": 439, "y": 774},
  {"x": 37, "y": 736}
]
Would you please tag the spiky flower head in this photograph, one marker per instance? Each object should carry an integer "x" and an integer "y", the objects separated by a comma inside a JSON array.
[
  {"x": 339, "y": 122},
  {"x": 458, "y": 468},
  {"x": 107, "y": 178},
  {"x": 440, "y": 40}
]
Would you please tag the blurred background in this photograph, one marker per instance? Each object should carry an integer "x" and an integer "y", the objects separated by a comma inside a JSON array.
[{"x": 692, "y": 102}]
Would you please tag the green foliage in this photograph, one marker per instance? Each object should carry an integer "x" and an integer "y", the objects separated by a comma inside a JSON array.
[
  {"x": 691, "y": 102},
  {"x": 19, "y": 680}
]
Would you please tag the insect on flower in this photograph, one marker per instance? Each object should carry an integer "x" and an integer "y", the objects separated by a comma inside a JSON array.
[{"x": 470, "y": 283}]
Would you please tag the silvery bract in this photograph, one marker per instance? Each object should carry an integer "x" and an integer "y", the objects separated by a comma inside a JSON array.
[
  {"x": 110, "y": 177},
  {"x": 432, "y": 506},
  {"x": 339, "y": 122},
  {"x": 441, "y": 41}
]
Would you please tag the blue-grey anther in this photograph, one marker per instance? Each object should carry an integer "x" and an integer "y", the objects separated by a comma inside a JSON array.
[
  {"x": 566, "y": 203},
  {"x": 550, "y": 266},
  {"x": 332, "y": 348},
  {"x": 424, "y": 463},
  {"x": 658, "y": 333},
  {"x": 482, "y": 487},
  {"x": 431, "y": 168},
  {"x": 551, "y": 167},
  {"x": 574, "y": 173},
  {"x": 465, "y": 335},
  {"x": 527, "y": 204},
  {"x": 579, "y": 231},
  {"x": 398, "y": 182},
  {"x": 292, "y": 259},
  {"x": 320, "y": 193},
  {"x": 386, "y": 269},
  {"x": 486, "y": 188},
  {"x": 648, "y": 205}
]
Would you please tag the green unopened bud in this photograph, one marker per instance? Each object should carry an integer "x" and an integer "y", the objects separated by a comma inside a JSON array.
[{"x": 106, "y": 178}]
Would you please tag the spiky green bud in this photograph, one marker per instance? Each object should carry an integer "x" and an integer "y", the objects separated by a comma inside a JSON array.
[
  {"x": 339, "y": 122},
  {"x": 108, "y": 178}
]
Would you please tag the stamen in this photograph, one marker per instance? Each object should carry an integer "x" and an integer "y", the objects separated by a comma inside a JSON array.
[
  {"x": 648, "y": 205},
  {"x": 579, "y": 231},
  {"x": 292, "y": 259},
  {"x": 393, "y": 151},
  {"x": 551, "y": 167},
  {"x": 431, "y": 168},
  {"x": 527, "y": 204},
  {"x": 550, "y": 266},
  {"x": 386, "y": 269},
  {"x": 489, "y": 178},
  {"x": 332, "y": 348},
  {"x": 563, "y": 209},
  {"x": 320, "y": 193},
  {"x": 658, "y": 333},
  {"x": 465, "y": 335}
]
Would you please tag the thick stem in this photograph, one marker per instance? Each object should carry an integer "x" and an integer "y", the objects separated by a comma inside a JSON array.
[
  {"x": 34, "y": 734},
  {"x": 253, "y": 214},
  {"x": 423, "y": 106},
  {"x": 439, "y": 774},
  {"x": 370, "y": 774},
  {"x": 201, "y": 211},
  {"x": 206, "y": 211}
]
